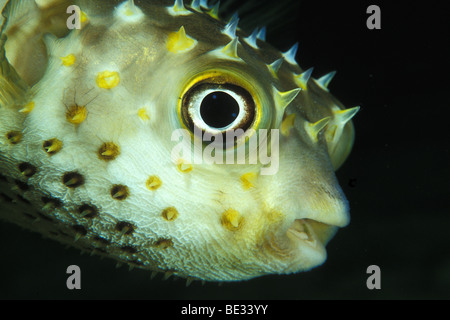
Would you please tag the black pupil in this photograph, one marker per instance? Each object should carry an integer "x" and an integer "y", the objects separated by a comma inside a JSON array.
[{"x": 219, "y": 109}]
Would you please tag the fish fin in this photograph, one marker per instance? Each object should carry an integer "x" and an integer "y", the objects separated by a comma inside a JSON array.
[
  {"x": 17, "y": 9},
  {"x": 25, "y": 23},
  {"x": 12, "y": 87}
]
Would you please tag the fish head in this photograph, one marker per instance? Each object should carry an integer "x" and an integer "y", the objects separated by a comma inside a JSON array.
[{"x": 201, "y": 149}]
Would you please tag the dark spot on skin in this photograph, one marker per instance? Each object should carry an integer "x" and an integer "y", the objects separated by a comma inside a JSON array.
[
  {"x": 108, "y": 151},
  {"x": 125, "y": 227},
  {"x": 79, "y": 229},
  {"x": 73, "y": 180},
  {"x": 87, "y": 211},
  {"x": 28, "y": 170},
  {"x": 14, "y": 137},
  {"x": 119, "y": 192},
  {"x": 55, "y": 203}
]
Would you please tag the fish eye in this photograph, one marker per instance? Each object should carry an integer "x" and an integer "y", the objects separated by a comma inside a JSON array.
[{"x": 217, "y": 108}]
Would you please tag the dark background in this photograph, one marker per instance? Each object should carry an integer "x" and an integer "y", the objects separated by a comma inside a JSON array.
[{"x": 396, "y": 179}]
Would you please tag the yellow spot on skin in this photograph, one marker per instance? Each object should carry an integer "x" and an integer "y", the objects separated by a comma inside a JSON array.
[
  {"x": 287, "y": 124},
  {"x": 108, "y": 151},
  {"x": 27, "y": 169},
  {"x": 179, "y": 41},
  {"x": 153, "y": 183},
  {"x": 107, "y": 79},
  {"x": 52, "y": 146},
  {"x": 76, "y": 114},
  {"x": 231, "y": 219},
  {"x": 83, "y": 17},
  {"x": 69, "y": 60},
  {"x": 248, "y": 180},
  {"x": 14, "y": 137},
  {"x": 143, "y": 114},
  {"x": 170, "y": 214},
  {"x": 27, "y": 108},
  {"x": 184, "y": 167}
]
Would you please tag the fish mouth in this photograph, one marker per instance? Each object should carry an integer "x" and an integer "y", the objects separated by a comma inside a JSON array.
[
  {"x": 298, "y": 241},
  {"x": 306, "y": 240},
  {"x": 301, "y": 230},
  {"x": 311, "y": 233},
  {"x": 318, "y": 227}
]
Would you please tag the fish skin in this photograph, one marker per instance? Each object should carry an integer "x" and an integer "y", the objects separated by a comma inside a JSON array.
[{"x": 89, "y": 164}]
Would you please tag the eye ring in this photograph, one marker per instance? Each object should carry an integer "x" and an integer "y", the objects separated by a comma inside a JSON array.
[{"x": 217, "y": 107}]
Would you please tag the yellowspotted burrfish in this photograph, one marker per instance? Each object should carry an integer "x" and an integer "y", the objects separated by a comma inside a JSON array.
[{"x": 157, "y": 134}]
